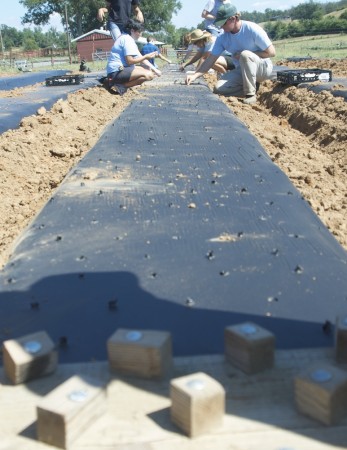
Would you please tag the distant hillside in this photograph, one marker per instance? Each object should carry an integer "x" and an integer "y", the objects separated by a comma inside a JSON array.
[
  {"x": 306, "y": 19},
  {"x": 310, "y": 10},
  {"x": 336, "y": 14}
]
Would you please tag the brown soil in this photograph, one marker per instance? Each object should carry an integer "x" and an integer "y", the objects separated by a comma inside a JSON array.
[
  {"x": 337, "y": 66},
  {"x": 304, "y": 133}
]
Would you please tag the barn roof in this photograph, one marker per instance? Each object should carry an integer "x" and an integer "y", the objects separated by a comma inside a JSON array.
[
  {"x": 99, "y": 31},
  {"x": 106, "y": 33}
]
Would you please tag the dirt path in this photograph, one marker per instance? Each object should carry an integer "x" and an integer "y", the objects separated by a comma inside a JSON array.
[{"x": 304, "y": 133}]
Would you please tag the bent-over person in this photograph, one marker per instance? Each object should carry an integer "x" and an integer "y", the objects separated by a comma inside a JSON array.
[{"x": 204, "y": 42}]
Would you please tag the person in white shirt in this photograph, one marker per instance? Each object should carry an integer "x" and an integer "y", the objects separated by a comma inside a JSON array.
[{"x": 209, "y": 13}]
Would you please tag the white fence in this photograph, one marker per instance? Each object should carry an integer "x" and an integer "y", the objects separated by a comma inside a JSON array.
[{"x": 100, "y": 56}]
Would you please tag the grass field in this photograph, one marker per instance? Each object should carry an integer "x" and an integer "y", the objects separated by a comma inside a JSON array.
[{"x": 323, "y": 46}]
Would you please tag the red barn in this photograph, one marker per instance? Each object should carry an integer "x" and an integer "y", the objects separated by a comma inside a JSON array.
[{"x": 94, "y": 45}]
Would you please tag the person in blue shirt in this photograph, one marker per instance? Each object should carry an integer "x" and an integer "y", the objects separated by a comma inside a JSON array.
[
  {"x": 123, "y": 69},
  {"x": 151, "y": 47},
  {"x": 251, "y": 50},
  {"x": 119, "y": 12}
]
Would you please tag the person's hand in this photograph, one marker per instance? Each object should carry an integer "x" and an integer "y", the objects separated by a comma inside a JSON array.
[
  {"x": 190, "y": 79},
  {"x": 157, "y": 72},
  {"x": 151, "y": 55},
  {"x": 182, "y": 68}
]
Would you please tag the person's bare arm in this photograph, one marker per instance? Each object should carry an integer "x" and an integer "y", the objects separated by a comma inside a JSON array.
[
  {"x": 138, "y": 14},
  {"x": 195, "y": 58},
  {"x": 163, "y": 58},
  {"x": 150, "y": 66},
  {"x": 139, "y": 58},
  {"x": 270, "y": 52},
  {"x": 101, "y": 14},
  {"x": 203, "y": 59},
  {"x": 205, "y": 67},
  {"x": 207, "y": 15}
]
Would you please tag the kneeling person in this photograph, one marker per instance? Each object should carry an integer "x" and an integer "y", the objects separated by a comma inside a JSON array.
[
  {"x": 122, "y": 71},
  {"x": 251, "y": 51}
]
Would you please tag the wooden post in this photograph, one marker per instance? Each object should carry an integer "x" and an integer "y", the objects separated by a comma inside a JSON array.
[
  {"x": 67, "y": 33},
  {"x": 69, "y": 410},
  {"x": 29, "y": 357},
  {"x": 144, "y": 353}
]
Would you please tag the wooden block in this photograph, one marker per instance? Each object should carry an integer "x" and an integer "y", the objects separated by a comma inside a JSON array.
[
  {"x": 69, "y": 410},
  {"x": 145, "y": 353},
  {"x": 249, "y": 347},
  {"x": 29, "y": 357},
  {"x": 321, "y": 393},
  {"x": 198, "y": 403},
  {"x": 341, "y": 339}
]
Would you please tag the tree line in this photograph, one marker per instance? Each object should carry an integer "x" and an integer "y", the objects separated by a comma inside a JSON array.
[
  {"x": 307, "y": 18},
  {"x": 79, "y": 17}
]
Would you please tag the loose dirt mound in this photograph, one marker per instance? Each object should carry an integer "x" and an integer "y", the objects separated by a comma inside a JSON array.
[
  {"x": 337, "y": 66},
  {"x": 35, "y": 158},
  {"x": 303, "y": 132}
]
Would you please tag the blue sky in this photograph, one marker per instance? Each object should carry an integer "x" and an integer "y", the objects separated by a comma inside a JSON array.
[{"x": 189, "y": 16}]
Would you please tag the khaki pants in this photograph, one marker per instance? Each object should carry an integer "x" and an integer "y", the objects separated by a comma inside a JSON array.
[{"x": 242, "y": 80}]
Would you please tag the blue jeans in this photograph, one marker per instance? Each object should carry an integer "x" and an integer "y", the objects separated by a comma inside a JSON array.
[
  {"x": 114, "y": 29},
  {"x": 213, "y": 30}
]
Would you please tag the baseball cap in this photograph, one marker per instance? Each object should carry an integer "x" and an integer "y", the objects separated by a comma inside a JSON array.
[{"x": 223, "y": 14}]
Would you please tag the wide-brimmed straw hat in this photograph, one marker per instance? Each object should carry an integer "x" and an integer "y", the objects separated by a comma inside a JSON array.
[{"x": 197, "y": 35}]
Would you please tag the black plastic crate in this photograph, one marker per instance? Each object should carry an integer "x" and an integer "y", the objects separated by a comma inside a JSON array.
[
  {"x": 303, "y": 76},
  {"x": 63, "y": 80}
]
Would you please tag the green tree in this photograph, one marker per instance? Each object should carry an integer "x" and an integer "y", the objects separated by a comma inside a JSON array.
[
  {"x": 11, "y": 37},
  {"x": 276, "y": 30},
  {"x": 158, "y": 13},
  {"x": 29, "y": 44},
  {"x": 306, "y": 11},
  {"x": 81, "y": 13},
  {"x": 174, "y": 36}
]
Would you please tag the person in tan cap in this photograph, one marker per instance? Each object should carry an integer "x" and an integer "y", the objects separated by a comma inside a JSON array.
[
  {"x": 251, "y": 50},
  {"x": 204, "y": 42}
]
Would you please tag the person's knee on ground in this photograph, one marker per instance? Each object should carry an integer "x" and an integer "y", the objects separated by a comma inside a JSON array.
[
  {"x": 222, "y": 87},
  {"x": 219, "y": 87},
  {"x": 228, "y": 88}
]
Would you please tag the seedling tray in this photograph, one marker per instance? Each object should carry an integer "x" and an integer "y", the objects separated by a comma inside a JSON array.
[
  {"x": 303, "y": 76},
  {"x": 62, "y": 80}
]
